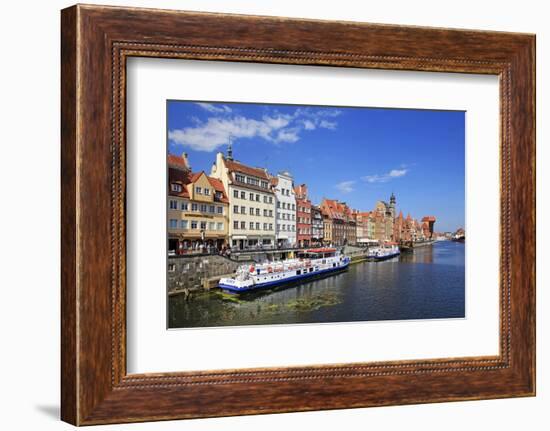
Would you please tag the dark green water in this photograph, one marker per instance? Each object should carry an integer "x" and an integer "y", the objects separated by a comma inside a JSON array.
[{"x": 426, "y": 284}]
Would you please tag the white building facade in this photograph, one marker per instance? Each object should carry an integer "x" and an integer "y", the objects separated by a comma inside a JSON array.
[
  {"x": 285, "y": 228},
  {"x": 251, "y": 203}
]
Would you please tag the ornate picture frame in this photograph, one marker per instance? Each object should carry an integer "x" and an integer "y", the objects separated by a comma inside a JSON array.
[{"x": 96, "y": 41}]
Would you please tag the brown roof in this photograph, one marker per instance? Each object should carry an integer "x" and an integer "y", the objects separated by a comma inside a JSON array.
[
  {"x": 234, "y": 166},
  {"x": 428, "y": 219},
  {"x": 218, "y": 186},
  {"x": 186, "y": 178},
  {"x": 177, "y": 162}
]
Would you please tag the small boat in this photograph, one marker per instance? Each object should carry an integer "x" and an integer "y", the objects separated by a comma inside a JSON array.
[
  {"x": 309, "y": 264},
  {"x": 383, "y": 253}
]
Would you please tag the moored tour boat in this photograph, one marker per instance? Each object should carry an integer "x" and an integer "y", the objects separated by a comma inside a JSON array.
[
  {"x": 383, "y": 253},
  {"x": 310, "y": 263}
]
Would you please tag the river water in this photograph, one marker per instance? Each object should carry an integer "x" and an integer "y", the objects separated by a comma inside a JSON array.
[{"x": 426, "y": 284}]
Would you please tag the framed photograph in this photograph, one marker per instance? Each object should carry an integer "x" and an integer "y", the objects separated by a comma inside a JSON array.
[{"x": 264, "y": 215}]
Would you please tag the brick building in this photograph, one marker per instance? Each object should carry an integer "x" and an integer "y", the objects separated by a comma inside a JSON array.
[{"x": 303, "y": 216}]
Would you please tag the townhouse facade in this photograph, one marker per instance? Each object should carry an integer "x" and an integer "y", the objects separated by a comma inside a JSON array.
[
  {"x": 285, "y": 215},
  {"x": 245, "y": 207},
  {"x": 339, "y": 223},
  {"x": 197, "y": 212},
  {"x": 317, "y": 226},
  {"x": 303, "y": 216},
  {"x": 251, "y": 203}
]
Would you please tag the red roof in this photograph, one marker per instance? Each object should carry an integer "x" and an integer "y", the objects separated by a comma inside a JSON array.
[
  {"x": 185, "y": 178},
  {"x": 321, "y": 250},
  {"x": 177, "y": 162},
  {"x": 428, "y": 219},
  {"x": 239, "y": 167},
  {"x": 218, "y": 186}
]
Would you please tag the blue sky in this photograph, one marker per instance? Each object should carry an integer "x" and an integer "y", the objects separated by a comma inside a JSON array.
[{"x": 357, "y": 155}]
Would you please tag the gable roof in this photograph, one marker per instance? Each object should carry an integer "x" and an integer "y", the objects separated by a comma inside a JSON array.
[
  {"x": 234, "y": 166},
  {"x": 177, "y": 162}
]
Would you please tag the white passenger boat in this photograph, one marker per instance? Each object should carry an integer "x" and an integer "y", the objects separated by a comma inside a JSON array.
[
  {"x": 383, "y": 253},
  {"x": 309, "y": 264}
]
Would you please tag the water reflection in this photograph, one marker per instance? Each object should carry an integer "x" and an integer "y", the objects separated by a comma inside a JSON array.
[{"x": 428, "y": 283}]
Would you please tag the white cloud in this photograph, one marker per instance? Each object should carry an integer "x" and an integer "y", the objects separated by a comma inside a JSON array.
[
  {"x": 309, "y": 125},
  {"x": 287, "y": 135},
  {"x": 276, "y": 128},
  {"x": 218, "y": 109},
  {"x": 325, "y": 124},
  {"x": 345, "y": 186},
  {"x": 384, "y": 178}
]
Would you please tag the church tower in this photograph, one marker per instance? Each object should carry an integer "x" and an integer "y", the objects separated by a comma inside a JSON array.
[{"x": 392, "y": 205}]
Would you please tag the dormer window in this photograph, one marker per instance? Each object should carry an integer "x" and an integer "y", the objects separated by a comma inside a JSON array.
[
  {"x": 198, "y": 190},
  {"x": 176, "y": 188},
  {"x": 207, "y": 192}
]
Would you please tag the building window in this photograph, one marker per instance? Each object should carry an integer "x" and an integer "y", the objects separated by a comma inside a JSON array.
[
  {"x": 203, "y": 225},
  {"x": 212, "y": 226},
  {"x": 176, "y": 187},
  {"x": 257, "y": 226},
  {"x": 243, "y": 210},
  {"x": 243, "y": 195},
  {"x": 212, "y": 209},
  {"x": 235, "y": 225},
  {"x": 194, "y": 207},
  {"x": 198, "y": 190},
  {"x": 184, "y": 206},
  {"x": 239, "y": 177},
  {"x": 265, "y": 213},
  {"x": 278, "y": 204},
  {"x": 171, "y": 267},
  {"x": 220, "y": 210},
  {"x": 264, "y": 184},
  {"x": 270, "y": 213},
  {"x": 173, "y": 223},
  {"x": 251, "y": 196},
  {"x": 251, "y": 225},
  {"x": 251, "y": 211},
  {"x": 220, "y": 226},
  {"x": 243, "y": 225},
  {"x": 207, "y": 192},
  {"x": 236, "y": 209},
  {"x": 270, "y": 226},
  {"x": 203, "y": 208},
  {"x": 271, "y": 199},
  {"x": 258, "y": 212},
  {"x": 265, "y": 226},
  {"x": 183, "y": 224},
  {"x": 235, "y": 193},
  {"x": 257, "y": 198},
  {"x": 173, "y": 205},
  {"x": 193, "y": 224}
]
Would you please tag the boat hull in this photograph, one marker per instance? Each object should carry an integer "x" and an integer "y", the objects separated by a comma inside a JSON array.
[
  {"x": 386, "y": 257},
  {"x": 286, "y": 281}
]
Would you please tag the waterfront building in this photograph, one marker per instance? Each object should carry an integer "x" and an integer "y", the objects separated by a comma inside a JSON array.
[
  {"x": 339, "y": 224},
  {"x": 251, "y": 202},
  {"x": 317, "y": 226},
  {"x": 384, "y": 218},
  {"x": 303, "y": 216},
  {"x": 197, "y": 209},
  {"x": 428, "y": 226},
  {"x": 363, "y": 233},
  {"x": 285, "y": 215}
]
